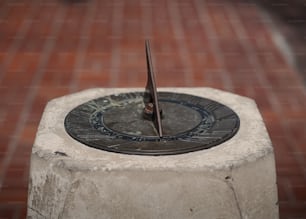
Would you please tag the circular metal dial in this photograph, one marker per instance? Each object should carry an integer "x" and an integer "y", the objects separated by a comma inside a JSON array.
[{"x": 115, "y": 123}]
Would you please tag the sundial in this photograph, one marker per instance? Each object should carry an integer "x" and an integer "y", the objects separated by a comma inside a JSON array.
[{"x": 151, "y": 122}]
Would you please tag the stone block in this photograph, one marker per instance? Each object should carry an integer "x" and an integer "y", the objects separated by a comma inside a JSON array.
[{"x": 235, "y": 179}]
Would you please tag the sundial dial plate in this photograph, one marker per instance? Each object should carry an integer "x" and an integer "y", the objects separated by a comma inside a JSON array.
[{"x": 115, "y": 123}]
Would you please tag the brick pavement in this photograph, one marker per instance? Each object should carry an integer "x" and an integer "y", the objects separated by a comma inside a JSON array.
[{"x": 52, "y": 48}]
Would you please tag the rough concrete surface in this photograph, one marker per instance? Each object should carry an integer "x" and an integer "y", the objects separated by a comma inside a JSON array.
[{"x": 233, "y": 180}]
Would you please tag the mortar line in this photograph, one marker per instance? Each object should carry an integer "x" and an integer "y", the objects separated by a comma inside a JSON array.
[
  {"x": 279, "y": 40},
  {"x": 282, "y": 40},
  {"x": 252, "y": 58},
  {"x": 30, "y": 97},
  {"x": 214, "y": 45},
  {"x": 17, "y": 213},
  {"x": 296, "y": 151},
  {"x": 147, "y": 25},
  {"x": 179, "y": 34},
  {"x": 117, "y": 24},
  {"x": 289, "y": 191},
  {"x": 82, "y": 47},
  {"x": 146, "y": 19},
  {"x": 18, "y": 40},
  {"x": 14, "y": 91}
]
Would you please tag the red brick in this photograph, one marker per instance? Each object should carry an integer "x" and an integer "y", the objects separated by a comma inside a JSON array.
[
  {"x": 33, "y": 44},
  {"x": 31, "y": 59},
  {"x": 61, "y": 62},
  {"x": 238, "y": 63},
  {"x": 283, "y": 191},
  {"x": 96, "y": 62},
  {"x": 91, "y": 79},
  {"x": 8, "y": 211},
  {"x": 76, "y": 12},
  {"x": 28, "y": 134},
  {"x": 261, "y": 98},
  {"x": 296, "y": 128},
  {"x": 161, "y": 46},
  {"x": 5, "y": 43},
  {"x": 11, "y": 27},
  {"x": 18, "y": 12},
  {"x": 56, "y": 78},
  {"x": 13, "y": 196},
  {"x": 291, "y": 181},
  {"x": 242, "y": 89},
  {"x": 20, "y": 160},
  {"x": 282, "y": 147},
  {"x": 291, "y": 211},
  {"x": 13, "y": 179},
  {"x": 300, "y": 192},
  {"x": 44, "y": 15},
  {"x": 66, "y": 44},
  {"x": 46, "y": 93}
]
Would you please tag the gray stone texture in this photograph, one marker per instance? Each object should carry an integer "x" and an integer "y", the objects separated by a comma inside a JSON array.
[{"x": 233, "y": 180}]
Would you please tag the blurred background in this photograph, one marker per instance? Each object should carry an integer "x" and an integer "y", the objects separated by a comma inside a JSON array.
[{"x": 56, "y": 47}]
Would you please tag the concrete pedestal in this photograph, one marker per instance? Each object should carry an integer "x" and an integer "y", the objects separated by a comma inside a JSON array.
[{"x": 233, "y": 180}]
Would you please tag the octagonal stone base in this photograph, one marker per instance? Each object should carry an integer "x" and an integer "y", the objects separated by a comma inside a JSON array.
[{"x": 233, "y": 180}]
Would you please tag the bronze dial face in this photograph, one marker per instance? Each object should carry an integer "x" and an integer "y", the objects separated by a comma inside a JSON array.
[{"x": 115, "y": 123}]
